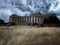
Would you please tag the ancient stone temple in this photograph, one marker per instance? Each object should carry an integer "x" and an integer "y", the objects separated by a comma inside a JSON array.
[
  {"x": 17, "y": 19},
  {"x": 36, "y": 18},
  {"x": 21, "y": 20}
]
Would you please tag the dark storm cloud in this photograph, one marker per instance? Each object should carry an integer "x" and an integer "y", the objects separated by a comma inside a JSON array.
[{"x": 23, "y": 7}]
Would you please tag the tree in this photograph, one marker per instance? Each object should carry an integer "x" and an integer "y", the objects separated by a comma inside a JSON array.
[
  {"x": 1, "y": 22},
  {"x": 51, "y": 19}
]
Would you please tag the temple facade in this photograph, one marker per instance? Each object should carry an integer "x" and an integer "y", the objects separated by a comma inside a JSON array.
[{"x": 21, "y": 20}]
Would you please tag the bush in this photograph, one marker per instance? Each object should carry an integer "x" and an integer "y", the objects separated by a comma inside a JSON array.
[
  {"x": 35, "y": 24},
  {"x": 11, "y": 23}
]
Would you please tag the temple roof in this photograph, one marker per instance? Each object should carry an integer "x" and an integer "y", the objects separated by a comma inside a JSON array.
[
  {"x": 37, "y": 14},
  {"x": 13, "y": 15}
]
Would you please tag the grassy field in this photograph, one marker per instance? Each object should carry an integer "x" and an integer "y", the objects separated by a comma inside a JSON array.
[{"x": 29, "y": 35}]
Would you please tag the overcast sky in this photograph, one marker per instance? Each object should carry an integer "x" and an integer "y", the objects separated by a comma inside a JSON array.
[{"x": 27, "y": 7}]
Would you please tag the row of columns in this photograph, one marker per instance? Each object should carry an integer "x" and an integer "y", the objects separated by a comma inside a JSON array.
[
  {"x": 27, "y": 20},
  {"x": 17, "y": 20},
  {"x": 33, "y": 19}
]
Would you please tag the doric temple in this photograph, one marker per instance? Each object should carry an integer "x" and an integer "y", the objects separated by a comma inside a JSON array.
[
  {"x": 17, "y": 19},
  {"x": 21, "y": 20},
  {"x": 37, "y": 18}
]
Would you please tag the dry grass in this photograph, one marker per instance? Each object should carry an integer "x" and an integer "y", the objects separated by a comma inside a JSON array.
[{"x": 29, "y": 35}]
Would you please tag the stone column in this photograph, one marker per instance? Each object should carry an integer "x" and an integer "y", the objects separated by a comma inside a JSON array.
[
  {"x": 25, "y": 19},
  {"x": 20, "y": 20},
  {"x": 14, "y": 20},
  {"x": 30, "y": 19},
  {"x": 38, "y": 20},
  {"x": 17, "y": 21},
  {"x": 33, "y": 19},
  {"x": 42, "y": 20}
]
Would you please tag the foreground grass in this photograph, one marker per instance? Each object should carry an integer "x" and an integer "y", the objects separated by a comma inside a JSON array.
[{"x": 29, "y": 35}]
